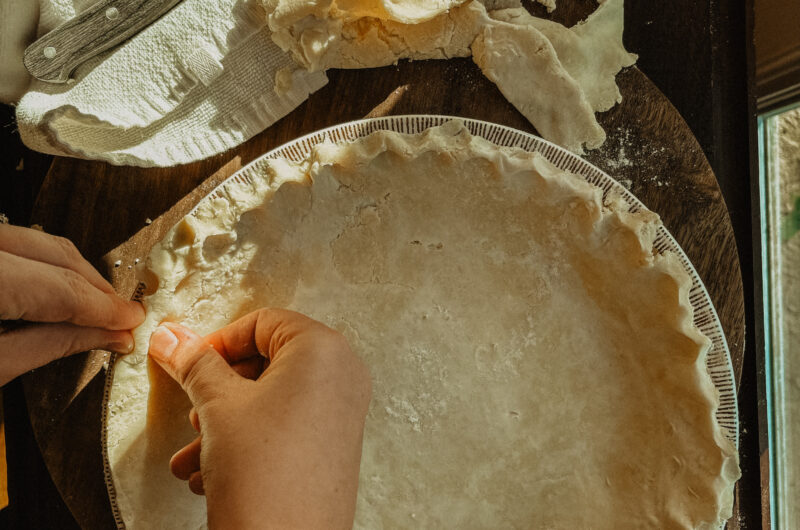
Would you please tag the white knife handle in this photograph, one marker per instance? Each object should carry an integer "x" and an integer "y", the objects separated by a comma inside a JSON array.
[{"x": 105, "y": 24}]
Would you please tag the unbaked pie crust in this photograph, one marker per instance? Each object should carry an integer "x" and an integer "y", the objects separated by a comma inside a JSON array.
[{"x": 534, "y": 363}]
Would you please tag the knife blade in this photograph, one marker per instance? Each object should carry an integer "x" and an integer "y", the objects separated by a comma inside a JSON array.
[{"x": 102, "y": 26}]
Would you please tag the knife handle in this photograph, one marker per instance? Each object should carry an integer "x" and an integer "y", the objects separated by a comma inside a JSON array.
[{"x": 105, "y": 24}]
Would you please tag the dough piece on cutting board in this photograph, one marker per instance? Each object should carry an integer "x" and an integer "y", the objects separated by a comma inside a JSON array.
[
  {"x": 556, "y": 76},
  {"x": 534, "y": 363},
  {"x": 523, "y": 64},
  {"x": 591, "y": 51}
]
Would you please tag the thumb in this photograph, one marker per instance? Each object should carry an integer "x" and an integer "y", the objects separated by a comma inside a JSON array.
[{"x": 200, "y": 370}]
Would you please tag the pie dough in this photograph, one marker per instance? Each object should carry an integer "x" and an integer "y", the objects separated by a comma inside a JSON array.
[
  {"x": 557, "y": 77},
  {"x": 591, "y": 52},
  {"x": 522, "y": 62},
  {"x": 534, "y": 363},
  {"x": 328, "y": 35}
]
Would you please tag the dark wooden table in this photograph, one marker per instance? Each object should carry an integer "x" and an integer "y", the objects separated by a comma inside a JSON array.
[{"x": 694, "y": 54}]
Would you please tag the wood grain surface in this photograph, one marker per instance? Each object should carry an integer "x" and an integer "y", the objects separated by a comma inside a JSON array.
[{"x": 104, "y": 209}]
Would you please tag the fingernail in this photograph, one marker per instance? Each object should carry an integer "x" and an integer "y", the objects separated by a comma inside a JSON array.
[
  {"x": 162, "y": 343},
  {"x": 122, "y": 346},
  {"x": 180, "y": 331}
]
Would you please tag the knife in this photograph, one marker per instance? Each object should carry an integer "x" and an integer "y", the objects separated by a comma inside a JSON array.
[{"x": 105, "y": 24}]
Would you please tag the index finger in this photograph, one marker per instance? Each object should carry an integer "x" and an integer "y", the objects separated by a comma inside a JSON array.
[
  {"x": 38, "y": 292},
  {"x": 236, "y": 341},
  {"x": 53, "y": 250},
  {"x": 262, "y": 333}
]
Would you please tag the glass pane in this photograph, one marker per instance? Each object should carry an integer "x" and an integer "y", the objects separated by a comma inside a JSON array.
[{"x": 780, "y": 151}]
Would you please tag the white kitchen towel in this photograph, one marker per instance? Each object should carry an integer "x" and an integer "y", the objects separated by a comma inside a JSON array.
[
  {"x": 17, "y": 30},
  {"x": 195, "y": 83}
]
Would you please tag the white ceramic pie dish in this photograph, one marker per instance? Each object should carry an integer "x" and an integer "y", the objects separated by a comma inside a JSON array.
[
  {"x": 706, "y": 319},
  {"x": 718, "y": 360}
]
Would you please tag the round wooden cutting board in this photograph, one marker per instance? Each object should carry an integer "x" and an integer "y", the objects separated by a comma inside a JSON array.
[{"x": 105, "y": 210}]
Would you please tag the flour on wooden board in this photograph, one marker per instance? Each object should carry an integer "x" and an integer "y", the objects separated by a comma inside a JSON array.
[{"x": 622, "y": 154}]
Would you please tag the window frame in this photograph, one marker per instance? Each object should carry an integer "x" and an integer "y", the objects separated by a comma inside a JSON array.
[{"x": 772, "y": 303}]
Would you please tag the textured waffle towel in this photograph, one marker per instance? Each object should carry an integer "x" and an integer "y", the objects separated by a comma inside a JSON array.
[{"x": 195, "y": 83}]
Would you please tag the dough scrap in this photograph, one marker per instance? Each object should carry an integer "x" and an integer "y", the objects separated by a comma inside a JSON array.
[
  {"x": 549, "y": 72},
  {"x": 591, "y": 51},
  {"x": 523, "y": 64},
  {"x": 534, "y": 363}
]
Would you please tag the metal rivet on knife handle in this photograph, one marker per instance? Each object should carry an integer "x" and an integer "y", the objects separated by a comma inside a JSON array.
[{"x": 104, "y": 25}]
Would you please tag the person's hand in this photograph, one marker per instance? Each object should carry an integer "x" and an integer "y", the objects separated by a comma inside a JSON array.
[
  {"x": 57, "y": 303},
  {"x": 278, "y": 447}
]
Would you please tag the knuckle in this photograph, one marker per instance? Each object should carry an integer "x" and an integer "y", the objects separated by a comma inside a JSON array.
[
  {"x": 191, "y": 377},
  {"x": 219, "y": 414},
  {"x": 70, "y": 344},
  {"x": 190, "y": 371},
  {"x": 76, "y": 292},
  {"x": 334, "y": 340},
  {"x": 281, "y": 318},
  {"x": 74, "y": 281},
  {"x": 68, "y": 248},
  {"x": 273, "y": 312},
  {"x": 66, "y": 341},
  {"x": 83, "y": 303}
]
